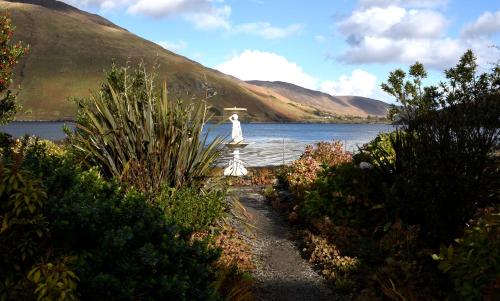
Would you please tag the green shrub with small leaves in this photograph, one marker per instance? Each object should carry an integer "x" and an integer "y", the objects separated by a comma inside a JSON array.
[
  {"x": 192, "y": 209},
  {"x": 54, "y": 281},
  {"x": 69, "y": 233},
  {"x": 346, "y": 194},
  {"x": 473, "y": 261},
  {"x": 378, "y": 152},
  {"x": 124, "y": 247},
  {"x": 23, "y": 230}
]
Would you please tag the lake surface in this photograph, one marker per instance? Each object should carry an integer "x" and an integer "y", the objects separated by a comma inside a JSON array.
[{"x": 270, "y": 142}]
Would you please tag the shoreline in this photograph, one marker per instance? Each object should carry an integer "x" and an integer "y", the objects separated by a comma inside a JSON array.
[{"x": 243, "y": 122}]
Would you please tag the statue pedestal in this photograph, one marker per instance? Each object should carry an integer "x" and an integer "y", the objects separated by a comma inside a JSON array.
[{"x": 236, "y": 167}]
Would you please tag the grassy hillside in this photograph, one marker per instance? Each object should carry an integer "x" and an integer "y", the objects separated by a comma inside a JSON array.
[
  {"x": 325, "y": 103},
  {"x": 69, "y": 49}
]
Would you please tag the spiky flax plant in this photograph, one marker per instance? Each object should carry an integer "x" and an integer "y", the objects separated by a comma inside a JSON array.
[{"x": 136, "y": 134}]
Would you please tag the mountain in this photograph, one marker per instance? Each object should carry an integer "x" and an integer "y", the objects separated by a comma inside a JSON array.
[
  {"x": 337, "y": 105},
  {"x": 70, "y": 48}
]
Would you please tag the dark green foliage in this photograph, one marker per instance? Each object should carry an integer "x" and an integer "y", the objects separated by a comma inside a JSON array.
[
  {"x": 5, "y": 141},
  {"x": 191, "y": 209},
  {"x": 378, "y": 152},
  {"x": 473, "y": 262},
  {"x": 115, "y": 244},
  {"x": 346, "y": 194},
  {"x": 444, "y": 149},
  {"x": 23, "y": 230},
  {"x": 54, "y": 281},
  {"x": 124, "y": 248}
]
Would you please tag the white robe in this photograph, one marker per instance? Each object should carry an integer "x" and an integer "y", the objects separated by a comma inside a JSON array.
[{"x": 236, "y": 134}]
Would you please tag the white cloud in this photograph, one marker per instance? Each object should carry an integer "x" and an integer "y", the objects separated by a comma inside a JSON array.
[
  {"x": 433, "y": 53},
  {"x": 165, "y": 8},
  {"x": 394, "y": 22},
  {"x": 384, "y": 31},
  {"x": 101, "y": 4},
  {"x": 259, "y": 65},
  {"x": 486, "y": 25},
  {"x": 203, "y": 14},
  {"x": 173, "y": 46},
  {"x": 214, "y": 18},
  {"x": 403, "y": 3},
  {"x": 320, "y": 38},
  {"x": 375, "y": 20},
  {"x": 359, "y": 83},
  {"x": 421, "y": 24},
  {"x": 266, "y": 30}
]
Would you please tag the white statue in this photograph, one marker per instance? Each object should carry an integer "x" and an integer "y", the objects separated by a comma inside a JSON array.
[
  {"x": 236, "y": 134},
  {"x": 236, "y": 167}
]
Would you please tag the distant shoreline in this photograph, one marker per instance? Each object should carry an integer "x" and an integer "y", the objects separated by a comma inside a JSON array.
[{"x": 243, "y": 121}]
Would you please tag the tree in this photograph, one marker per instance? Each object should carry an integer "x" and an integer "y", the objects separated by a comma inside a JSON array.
[
  {"x": 444, "y": 152},
  {"x": 9, "y": 57}
]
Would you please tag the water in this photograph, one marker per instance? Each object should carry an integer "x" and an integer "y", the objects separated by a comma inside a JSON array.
[
  {"x": 51, "y": 130},
  {"x": 266, "y": 140}
]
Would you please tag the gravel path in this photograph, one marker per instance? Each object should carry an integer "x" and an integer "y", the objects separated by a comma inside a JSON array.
[{"x": 281, "y": 273}]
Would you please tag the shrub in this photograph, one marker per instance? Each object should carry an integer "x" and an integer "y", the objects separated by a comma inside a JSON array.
[
  {"x": 9, "y": 57},
  {"x": 335, "y": 266},
  {"x": 473, "y": 262},
  {"x": 191, "y": 209},
  {"x": 378, "y": 152},
  {"x": 23, "y": 230},
  {"x": 54, "y": 281},
  {"x": 444, "y": 149},
  {"x": 304, "y": 171},
  {"x": 133, "y": 132},
  {"x": 124, "y": 248},
  {"x": 346, "y": 194},
  {"x": 76, "y": 234}
]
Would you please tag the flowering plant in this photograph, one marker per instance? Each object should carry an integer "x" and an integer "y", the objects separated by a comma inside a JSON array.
[
  {"x": 304, "y": 171},
  {"x": 9, "y": 57}
]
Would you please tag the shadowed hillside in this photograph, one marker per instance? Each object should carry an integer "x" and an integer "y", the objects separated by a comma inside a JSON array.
[{"x": 69, "y": 49}]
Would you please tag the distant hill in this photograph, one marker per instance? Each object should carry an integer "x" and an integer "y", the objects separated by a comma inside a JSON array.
[
  {"x": 339, "y": 105},
  {"x": 70, "y": 48}
]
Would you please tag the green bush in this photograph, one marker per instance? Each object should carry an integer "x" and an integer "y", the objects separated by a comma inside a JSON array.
[
  {"x": 378, "y": 152},
  {"x": 473, "y": 262},
  {"x": 346, "y": 194},
  {"x": 23, "y": 229},
  {"x": 444, "y": 151},
  {"x": 99, "y": 240},
  {"x": 191, "y": 209},
  {"x": 54, "y": 281},
  {"x": 124, "y": 248}
]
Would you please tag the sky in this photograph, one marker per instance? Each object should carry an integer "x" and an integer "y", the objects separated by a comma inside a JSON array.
[{"x": 339, "y": 47}]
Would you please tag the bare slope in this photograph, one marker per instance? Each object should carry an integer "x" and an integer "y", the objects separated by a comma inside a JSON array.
[
  {"x": 339, "y": 105},
  {"x": 69, "y": 49}
]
